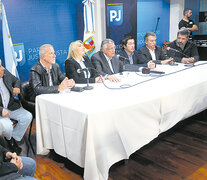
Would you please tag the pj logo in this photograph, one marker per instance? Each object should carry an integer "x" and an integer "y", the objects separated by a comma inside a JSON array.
[
  {"x": 20, "y": 53},
  {"x": 115, "y": 14}
]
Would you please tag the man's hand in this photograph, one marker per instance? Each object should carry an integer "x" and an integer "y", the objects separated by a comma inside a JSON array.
[
  {"x": 16, "y": 91},
  {"x": 17, "y": 161},
  {"x": 151, "y": 64},
  {"x": 167, "y": 61},
  {"x": 66, "y": 84},
  {"x": 99, "y": 79},
  {"x": 113, "y": 78},
  {"x": 188, "y": 60},
  {"x": 5, "y": 113}
]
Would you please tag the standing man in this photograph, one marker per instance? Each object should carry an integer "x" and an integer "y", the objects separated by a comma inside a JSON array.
[
  {"x": 105, "y": 61},
  {"x": 45, "y": 76},
  {"x": 151, "y": 52},
  {"x": 11, "y": 109},
  {"x": 183, "y": 50},
  {"x": 128, "y": 51},
  {"x": 187, "y": 23}
]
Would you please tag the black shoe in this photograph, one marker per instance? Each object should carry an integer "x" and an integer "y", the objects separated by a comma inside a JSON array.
[{"x": 13, "y": 146}]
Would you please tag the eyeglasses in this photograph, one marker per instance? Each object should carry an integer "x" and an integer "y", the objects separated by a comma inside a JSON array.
[{"x": 112, "y": 48}]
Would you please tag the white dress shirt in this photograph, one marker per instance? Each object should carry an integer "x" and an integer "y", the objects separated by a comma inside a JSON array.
[{"x": 152, "y": 52}]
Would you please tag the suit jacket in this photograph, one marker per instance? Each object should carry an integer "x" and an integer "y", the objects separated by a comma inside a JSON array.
[
  {"x": 71, "y": 67},
  {"x": 145, "y": 56},
  {"x": 101, "y": 64},
  {"x": 134, "y": 57},
  {"x": 10, "y": 82}
]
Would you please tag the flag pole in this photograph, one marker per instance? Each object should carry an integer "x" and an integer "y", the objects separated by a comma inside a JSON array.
[{"x": 9, "y": 53}]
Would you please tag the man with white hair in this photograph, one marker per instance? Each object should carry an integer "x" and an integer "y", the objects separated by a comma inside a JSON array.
[
  {"x": 45, "y": 76},
  {"x": 105, "y": 61}
]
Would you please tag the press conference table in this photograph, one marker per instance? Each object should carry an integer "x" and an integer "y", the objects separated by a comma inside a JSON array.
[{"x": 100, "y": 127}]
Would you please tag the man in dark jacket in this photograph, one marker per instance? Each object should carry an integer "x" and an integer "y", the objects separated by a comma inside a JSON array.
[
  {"x": 182, "y": 50},
  {"x": 15, "y": 167},
  {"x": 151, "y": 52},
  {"x": 45, "y": 76},
  {"x": 11, "y": 109}
]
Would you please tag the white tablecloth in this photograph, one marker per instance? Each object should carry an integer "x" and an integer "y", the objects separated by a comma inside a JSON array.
[{"x": 97, "y": 128}]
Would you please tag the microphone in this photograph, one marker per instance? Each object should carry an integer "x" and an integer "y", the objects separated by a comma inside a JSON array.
[
  {"x": 81, "y": 70},
  {"x": 158, "y": 19},
  {"x": 169, "y": 48},
  {"x": 87, "y": 87},
  {"x": 122, "y": 57},
  {"x": 145, "y": 70}
]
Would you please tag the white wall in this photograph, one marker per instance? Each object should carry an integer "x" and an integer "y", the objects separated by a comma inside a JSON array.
[
  {"x": 100, "y": 21},
  {"x": 176, "y": 14}
]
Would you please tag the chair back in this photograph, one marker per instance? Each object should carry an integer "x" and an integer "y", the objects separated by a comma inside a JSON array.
[{"x": 25, "y": 96}]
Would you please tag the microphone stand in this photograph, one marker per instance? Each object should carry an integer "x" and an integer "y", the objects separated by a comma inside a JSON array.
[
  {"x": 87, "y": 80},
  {"x": 158, "y": 19}
]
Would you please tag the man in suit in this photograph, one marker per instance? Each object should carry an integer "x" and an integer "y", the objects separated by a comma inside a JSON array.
[
  {"x": 183, "y": 50},
  {"x": 45, "y": 76},
  {"x": 105, "y": 61},
  {"x": 128, "y": 54},
  {"x": 11, "y": 109},
  {"x": 151, "y": 52}
]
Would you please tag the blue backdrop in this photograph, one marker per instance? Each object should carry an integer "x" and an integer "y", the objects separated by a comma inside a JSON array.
[
  {"x": 148, "y": 12},
  {"x": 139, "y": 17},
  {"x": 36, "y": 22}
]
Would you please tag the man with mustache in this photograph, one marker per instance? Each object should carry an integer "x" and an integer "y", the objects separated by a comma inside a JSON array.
[{"x": 184, "y": 51}]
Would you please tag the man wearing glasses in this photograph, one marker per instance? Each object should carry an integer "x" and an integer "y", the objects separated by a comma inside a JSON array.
[{"x": 105, "y": 61}]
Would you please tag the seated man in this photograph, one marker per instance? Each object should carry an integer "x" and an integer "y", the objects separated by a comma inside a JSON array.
[
  {"x": 45, "y": 76},
  {"x": 15, "y": 167},
  {"x": 183, "y": 50},
  {"x": 11, "y": 109},
  {"x": 105, "y": 61},
  {"x": 152, "y": 52},
  {"x": 128, "y": 51}
]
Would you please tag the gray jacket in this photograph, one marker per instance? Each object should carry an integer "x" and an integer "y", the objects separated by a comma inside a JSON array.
[{"x": 10, "y": 82}]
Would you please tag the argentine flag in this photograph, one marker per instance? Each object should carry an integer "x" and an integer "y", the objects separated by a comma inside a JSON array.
[
  {"x": 9, "y": 54},
  {"x": 89, "y": 27}
]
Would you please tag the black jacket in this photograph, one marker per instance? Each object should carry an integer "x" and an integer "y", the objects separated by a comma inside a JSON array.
[
  {"x": 10, "y": 82},
  {"x": 71, "y": 67},
  {"x": 190, "y": 50},
  {"x": 144, "y": 55},
  {"x": 39, "y": 80},
  {"x": 7, "y": 168}
]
